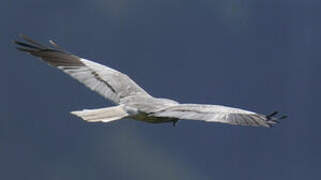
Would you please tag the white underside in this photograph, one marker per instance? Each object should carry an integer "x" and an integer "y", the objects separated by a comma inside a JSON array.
[{"x": 102, "y": 115}]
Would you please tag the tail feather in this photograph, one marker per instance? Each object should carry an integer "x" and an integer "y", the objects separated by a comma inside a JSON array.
[{"x": 101, "y": 115}]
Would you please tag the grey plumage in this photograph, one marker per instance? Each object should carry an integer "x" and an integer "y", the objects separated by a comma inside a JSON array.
[{"x": 132, "y": 101}]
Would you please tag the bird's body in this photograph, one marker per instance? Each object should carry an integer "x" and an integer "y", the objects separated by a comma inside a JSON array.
[{"x": 132, "y": 101}]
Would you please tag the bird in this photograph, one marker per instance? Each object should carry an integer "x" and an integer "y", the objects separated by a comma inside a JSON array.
[{"x": 132, "y": 101}]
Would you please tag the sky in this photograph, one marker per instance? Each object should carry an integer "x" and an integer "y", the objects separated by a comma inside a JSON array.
[{"x": 258, "y": 55}]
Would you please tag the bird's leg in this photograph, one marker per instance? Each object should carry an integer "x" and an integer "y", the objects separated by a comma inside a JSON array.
[{"x": 174, "y": 122}]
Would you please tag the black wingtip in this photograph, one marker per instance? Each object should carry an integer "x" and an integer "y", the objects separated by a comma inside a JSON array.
[
  {"x": 272, "y": 114},
  {"x": 23, "y": 49},
  {"x": 283, "y": 117},
  {"x": 273, "y": 119},
  {"x": 32, "y": 42},
  {"x": 22, "y": 44}
]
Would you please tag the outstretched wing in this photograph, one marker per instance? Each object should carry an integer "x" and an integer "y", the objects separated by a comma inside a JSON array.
[
  {"x": 106, "y": 81},
  {"x": 215, "y": 113}
]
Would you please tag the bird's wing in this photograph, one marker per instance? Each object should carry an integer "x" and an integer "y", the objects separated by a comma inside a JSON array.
[
  {"x": 216, "y": 113},
  {"x": 106, "y": 81}
]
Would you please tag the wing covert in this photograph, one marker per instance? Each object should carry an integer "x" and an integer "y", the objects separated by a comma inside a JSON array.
[{"x": 106, "y": 81}]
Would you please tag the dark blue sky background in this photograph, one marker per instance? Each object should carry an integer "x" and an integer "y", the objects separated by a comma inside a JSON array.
[{"x": 258, "y": 55}]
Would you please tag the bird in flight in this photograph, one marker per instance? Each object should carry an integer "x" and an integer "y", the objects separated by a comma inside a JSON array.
[{"x": 131, "y": 101}]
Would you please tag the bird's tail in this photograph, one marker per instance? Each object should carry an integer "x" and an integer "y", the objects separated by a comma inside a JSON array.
[{"x": 102, "y": 115}]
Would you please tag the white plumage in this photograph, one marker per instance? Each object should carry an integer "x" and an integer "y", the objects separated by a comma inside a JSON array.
[{"x": 133, "y": 101}]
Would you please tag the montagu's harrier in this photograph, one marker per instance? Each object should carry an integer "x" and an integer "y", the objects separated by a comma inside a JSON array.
[{"x": 131, "y": 100}]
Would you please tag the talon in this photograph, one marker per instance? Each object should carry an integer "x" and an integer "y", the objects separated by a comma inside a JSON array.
[{"x": 174, "y": 122}]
